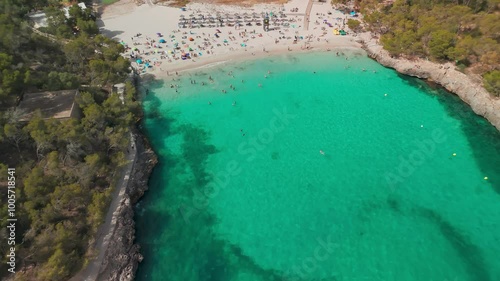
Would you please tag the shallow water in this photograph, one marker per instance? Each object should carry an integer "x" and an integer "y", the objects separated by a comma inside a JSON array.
[{"x": 242, "y": 191}]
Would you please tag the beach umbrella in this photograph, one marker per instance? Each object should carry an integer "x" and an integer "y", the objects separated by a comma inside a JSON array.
[
  {"x": 162, "y": 41},
  {"x": 191, "y": 39},
  {"x": 138, "y": 61}
]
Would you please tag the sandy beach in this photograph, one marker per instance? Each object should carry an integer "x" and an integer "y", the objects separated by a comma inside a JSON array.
[{"x": 162, "y": 40}]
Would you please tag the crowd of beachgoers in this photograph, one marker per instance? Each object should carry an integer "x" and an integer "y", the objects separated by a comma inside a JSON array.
[{"x": 173, "y": 36}]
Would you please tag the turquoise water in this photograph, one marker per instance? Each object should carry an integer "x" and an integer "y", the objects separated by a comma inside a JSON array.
[{"x": 242, "y": 191}]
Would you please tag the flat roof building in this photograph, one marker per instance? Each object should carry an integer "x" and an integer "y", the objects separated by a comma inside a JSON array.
[{"x": 53, "y": 104}]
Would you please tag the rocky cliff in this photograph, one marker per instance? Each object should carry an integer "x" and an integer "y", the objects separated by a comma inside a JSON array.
[
  {"x": 123, "y": 255},
  {"x": 470, "y": 91}
]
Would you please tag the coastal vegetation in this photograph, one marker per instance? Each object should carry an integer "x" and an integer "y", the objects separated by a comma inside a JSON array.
[
  {"x": 65, "y": 169},
  {"x": 464, "y": 32}
]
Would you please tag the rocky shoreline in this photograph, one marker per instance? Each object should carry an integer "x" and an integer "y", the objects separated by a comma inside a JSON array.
[
  {"x": 123, "y": 255},
  {"x": 471, "y": 92}
]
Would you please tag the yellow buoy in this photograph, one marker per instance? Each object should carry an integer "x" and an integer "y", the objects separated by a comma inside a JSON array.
[
  {"x": 485, "y": 178},
  {"x": 454, "y": 154}
]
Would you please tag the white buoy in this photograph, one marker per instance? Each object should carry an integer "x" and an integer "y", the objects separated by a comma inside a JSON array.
[
  {"x": 485, "y": 178},
  {"x": 454, "y": 154}
]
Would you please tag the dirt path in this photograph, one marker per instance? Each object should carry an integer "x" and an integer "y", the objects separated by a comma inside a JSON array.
[
  {"x": 106, "y": 230},
  {"x": 307, "y": 17}
]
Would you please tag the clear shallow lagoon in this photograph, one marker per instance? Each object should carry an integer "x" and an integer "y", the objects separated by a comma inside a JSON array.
[{"x": 388, "y": 200}]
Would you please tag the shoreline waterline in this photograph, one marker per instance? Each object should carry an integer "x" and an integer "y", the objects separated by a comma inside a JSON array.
[
  {"x": 336, "y": 117},
  {"x": 350, "y": 43}
]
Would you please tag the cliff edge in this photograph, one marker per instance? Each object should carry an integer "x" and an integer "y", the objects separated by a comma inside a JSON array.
[
  {"x": 123, "y": 256},
  {"x": 471, "y": 92}
]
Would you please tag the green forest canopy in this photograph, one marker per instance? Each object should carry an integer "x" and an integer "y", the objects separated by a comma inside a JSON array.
[
  {"x": 466, "y": 32},
  {"x": 65, "y": 169}
]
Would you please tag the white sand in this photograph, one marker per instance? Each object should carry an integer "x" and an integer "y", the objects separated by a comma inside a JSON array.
[{"x": 123, "y": 20}]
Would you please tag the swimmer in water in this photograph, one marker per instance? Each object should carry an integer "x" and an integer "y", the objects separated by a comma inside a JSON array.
[
  {"x": 260, "y": 85},
  {"x": 234, "y": 103},
  {"x": 322, "y": 152},
  {"x": 209, "y": 103},
  {"x": 265, "y": 76}
]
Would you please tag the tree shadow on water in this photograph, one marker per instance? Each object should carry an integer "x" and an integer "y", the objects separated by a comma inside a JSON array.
[{"x": 483, "y": 138}]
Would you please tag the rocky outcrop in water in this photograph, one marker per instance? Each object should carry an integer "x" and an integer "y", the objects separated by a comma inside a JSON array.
[
  {"x": 471, "y": 92},
  {"x": 123, "y": 256}
]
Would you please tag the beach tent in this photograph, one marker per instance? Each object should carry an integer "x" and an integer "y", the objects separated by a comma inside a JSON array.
[
  {"x": 138, "y": 61},
  {"x": 191, "y": 39},
  {"x": 342, "y": 32},
  {"x": 162, "y": 41}
]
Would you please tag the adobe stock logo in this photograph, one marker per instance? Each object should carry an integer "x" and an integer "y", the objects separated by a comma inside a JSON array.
[
  {"x": 249, "y": 147},
  {"x": 424, "y": 150},
  {"x": 322, "y": 252}
]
